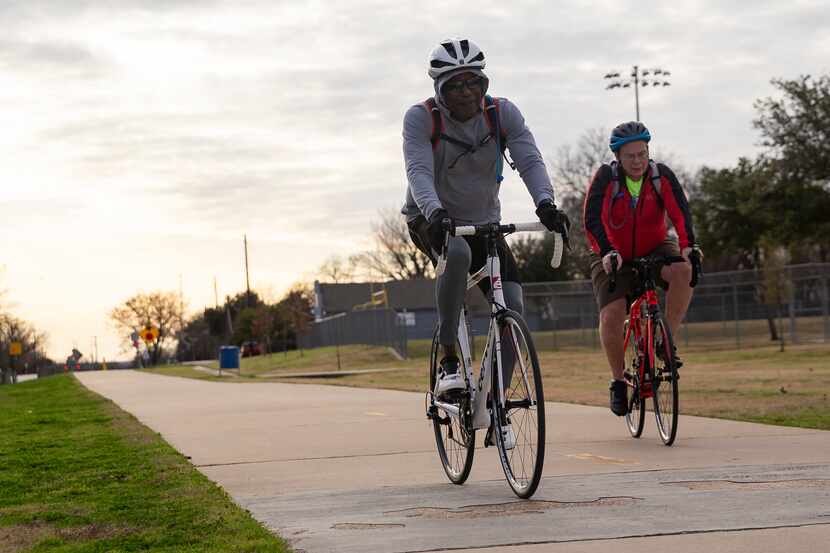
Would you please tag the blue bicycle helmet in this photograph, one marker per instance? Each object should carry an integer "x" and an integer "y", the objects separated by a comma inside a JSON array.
[{"x": 628, "y": 132}]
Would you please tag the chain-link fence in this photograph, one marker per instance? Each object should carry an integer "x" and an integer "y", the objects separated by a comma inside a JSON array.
[
  {"x": 735, "y": 309},
  {"x": 729, "y": 309},
  {"x": 379, "y": 327}
]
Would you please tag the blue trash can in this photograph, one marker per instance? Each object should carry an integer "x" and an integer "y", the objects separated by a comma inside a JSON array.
[{"x": 228, "y": 357}]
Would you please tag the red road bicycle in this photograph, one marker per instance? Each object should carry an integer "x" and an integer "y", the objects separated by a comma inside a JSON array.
[{"x": 650, "y": 370}]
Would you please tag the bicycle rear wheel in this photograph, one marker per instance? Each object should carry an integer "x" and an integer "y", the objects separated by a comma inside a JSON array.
[
  {"x": 636, "y": 417},
  {"x": 523, "y": 412},
  {"x": 665, "y": 383},
  {"x": 454, "y": 435}
]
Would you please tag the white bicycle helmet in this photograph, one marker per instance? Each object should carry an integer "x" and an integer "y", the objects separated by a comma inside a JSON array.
[{"x": 454, "y": 54}]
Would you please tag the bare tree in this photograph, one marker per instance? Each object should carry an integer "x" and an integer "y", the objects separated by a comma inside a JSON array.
[
  {"x": 573, "y": 167},
  {"x": 262, "y": 325},
  {"x": 297, "y": 308},
  {"x": 31, "y": 340},
  {"x": 335, "y": 269},
  {"x": 575, "y": 164},
  {"x": 394, "y": 257},
  {"x": 163, "y": 310}
]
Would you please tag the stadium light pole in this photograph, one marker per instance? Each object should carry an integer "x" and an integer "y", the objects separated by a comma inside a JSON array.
[{"x": 654, "y": 77}]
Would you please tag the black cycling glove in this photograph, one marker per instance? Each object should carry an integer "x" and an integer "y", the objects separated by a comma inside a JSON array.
[
  {"x": 436, "y": 229},
  {"x": 554, "y": 219}
]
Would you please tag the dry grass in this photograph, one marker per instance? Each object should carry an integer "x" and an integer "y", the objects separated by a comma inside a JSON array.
[
  {"x": 757, "y": 384},
  {"x": 22, "y": 537}
]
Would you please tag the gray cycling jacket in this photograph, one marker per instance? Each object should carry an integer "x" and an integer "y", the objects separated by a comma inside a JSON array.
[{"x": 466, "y": 186}]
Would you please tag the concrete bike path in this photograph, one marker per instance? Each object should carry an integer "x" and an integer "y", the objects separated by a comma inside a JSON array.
[{"x": 343, "y": 469}]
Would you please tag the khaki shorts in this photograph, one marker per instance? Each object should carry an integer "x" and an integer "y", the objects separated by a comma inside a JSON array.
[{"x": 625, "y": 276}]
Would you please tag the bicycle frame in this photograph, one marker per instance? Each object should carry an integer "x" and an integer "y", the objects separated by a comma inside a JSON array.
[
  {"x": 647, "y": 306},
  {"x": 651, "y": 303},
  {"x": 480, "y": 388}
]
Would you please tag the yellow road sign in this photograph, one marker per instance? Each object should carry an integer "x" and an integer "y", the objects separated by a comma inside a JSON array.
[
  {"x": 15, "y": 348},
  {"x": 149, "y": 333}
]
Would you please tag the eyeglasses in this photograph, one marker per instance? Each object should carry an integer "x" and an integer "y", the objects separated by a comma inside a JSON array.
[
  {"x": 456, "y": 87},
  {"x": 639, "y": 156}
]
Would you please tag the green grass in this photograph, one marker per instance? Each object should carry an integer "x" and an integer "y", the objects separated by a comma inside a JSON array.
[{"x": 77, "y": 474}]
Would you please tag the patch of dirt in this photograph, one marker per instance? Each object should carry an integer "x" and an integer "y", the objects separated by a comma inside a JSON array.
[
  {"x": 14, "y": 539},
  {"x": 508, "y": 509}
]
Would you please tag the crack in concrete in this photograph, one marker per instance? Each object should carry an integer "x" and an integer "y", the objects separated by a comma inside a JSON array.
[
  {"x": 512, "y": 508},
  {"x": 365, "y": 526},
  {"x": 632, "y": 536},
  {"x": 716, "y": 485}
]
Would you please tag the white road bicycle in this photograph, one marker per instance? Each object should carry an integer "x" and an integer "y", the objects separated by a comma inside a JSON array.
[{"x": 507, "y": 400}]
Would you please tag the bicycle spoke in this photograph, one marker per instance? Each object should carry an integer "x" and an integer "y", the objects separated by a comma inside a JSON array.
[
  {"x": 524, "y": 412},
  {"x": 665, "y": 384},
  {"x": 635, "y": 418},
  {"x": 456, "y": 445}
]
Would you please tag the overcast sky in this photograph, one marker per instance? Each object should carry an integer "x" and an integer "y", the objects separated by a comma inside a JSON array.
[{"x": 139, "y": 140}]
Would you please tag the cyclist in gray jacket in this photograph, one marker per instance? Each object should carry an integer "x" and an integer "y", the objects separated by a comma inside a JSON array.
[{"x": 453, "y": 146}]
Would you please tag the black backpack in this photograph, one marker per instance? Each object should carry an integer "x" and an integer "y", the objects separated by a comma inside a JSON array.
[{"x": 655, "y": 180}]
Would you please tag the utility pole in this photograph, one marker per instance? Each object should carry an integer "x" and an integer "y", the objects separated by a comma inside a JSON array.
[
  {"x": 247, "y": 280},
  {"x": 181, "y": 301},
  {"x": 215, "y": 293},
  {"x": 639, "y": 77}
]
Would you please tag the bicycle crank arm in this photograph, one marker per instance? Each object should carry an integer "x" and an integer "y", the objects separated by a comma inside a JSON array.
[{"x": 450, "y": 408}]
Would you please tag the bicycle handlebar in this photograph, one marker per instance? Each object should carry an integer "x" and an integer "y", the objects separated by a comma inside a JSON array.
[
  {"x": 535, "y": 226},
  {"x": 694, "y": 259},
  {"x": 480, "y": 230}
]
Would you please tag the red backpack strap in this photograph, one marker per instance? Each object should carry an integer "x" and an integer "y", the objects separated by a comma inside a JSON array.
[
  {"x": 437, "y": 122},
  {"x": 493, "y": 111}
]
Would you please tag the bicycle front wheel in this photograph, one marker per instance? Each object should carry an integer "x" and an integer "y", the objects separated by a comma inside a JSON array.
[
  {"x": 519, "y": 424},
  {"x": 665, "y": 383},
  {"x": 636, "y": 417},
  {"x": 454, "y": 435}
]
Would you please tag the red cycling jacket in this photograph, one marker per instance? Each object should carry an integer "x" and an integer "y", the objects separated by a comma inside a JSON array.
[{"x": 634, "y": 229}]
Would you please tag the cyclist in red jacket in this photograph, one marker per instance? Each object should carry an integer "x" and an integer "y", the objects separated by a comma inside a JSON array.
[{"x": 625, "y": 217}]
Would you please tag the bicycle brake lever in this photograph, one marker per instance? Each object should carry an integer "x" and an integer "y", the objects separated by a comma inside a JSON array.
[
  {"x": 697, "y": 268},
  {"x": 612, "y": 285},
  {"x": 441, "y": 266}
]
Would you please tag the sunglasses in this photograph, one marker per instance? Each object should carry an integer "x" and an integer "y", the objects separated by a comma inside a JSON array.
[{"x": 469, "y": 84}]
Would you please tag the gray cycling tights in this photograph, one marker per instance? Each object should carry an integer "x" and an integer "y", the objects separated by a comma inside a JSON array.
[{"x": 450, "y": 289}]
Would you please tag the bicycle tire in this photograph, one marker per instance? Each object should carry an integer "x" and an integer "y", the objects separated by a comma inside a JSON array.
[
  {"x": 454, "y": 439},
  {"x": 666, "y": 393},
  {"x": 524, "y": 410},
  {"x": 636, "y": 417}
]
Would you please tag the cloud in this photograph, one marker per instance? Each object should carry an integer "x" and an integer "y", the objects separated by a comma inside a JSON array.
[
  {"x": 150, "y": 135},
  {"x": 49, "y": 56}
]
